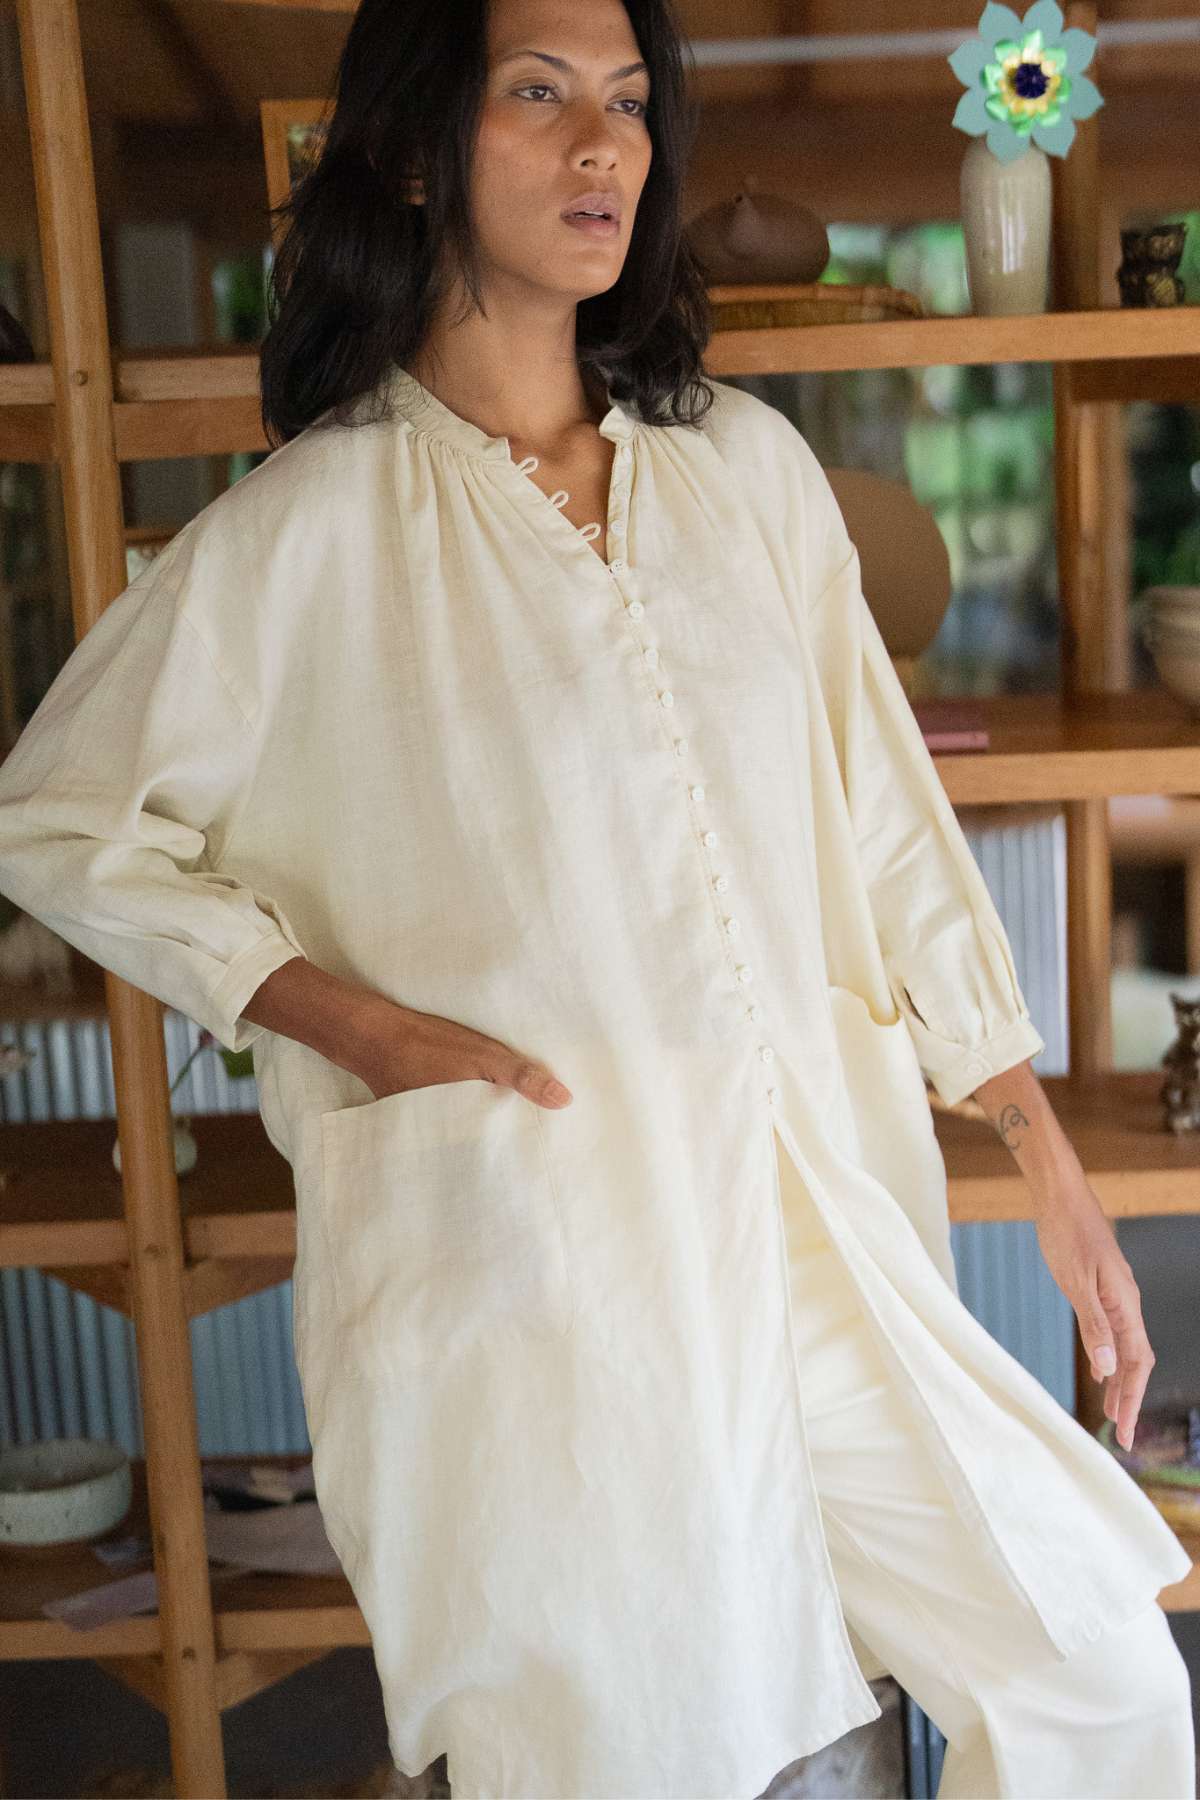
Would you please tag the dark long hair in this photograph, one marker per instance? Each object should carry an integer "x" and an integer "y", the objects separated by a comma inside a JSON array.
[{"x": 354, "y": 283}]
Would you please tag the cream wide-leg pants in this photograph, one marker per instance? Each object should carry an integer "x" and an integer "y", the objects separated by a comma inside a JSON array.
[{"x": 1113, "y": 1720}]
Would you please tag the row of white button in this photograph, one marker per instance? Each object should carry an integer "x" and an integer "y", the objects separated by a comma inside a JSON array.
[{"x": 709, "y": 839}]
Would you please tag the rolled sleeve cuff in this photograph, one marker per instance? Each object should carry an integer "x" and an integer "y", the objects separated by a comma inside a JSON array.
[
  {"x": 241, "y": 980},
  {"x": 956, "y": 1070}
]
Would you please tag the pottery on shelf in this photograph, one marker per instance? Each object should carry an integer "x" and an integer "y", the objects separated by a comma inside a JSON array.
[
  {"x": 1006, "y": 214},
  {"x": 903, "y": 562},
  {"x": 186, "y": 1148},
  {"x": 1170, "y": 628},
  {"x": 758, "y": 237},
  {"x": 61, "y": 1490}
]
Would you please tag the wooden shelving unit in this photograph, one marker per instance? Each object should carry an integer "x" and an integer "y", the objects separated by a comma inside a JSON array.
[
  {"x": 288, "y": 1619},
  {"x": 62, "y": 1204},
  {"x": 1107, "y": 353},
  {"x": 165, "y": 1249},
  {"x": 1056, "y": 747}
]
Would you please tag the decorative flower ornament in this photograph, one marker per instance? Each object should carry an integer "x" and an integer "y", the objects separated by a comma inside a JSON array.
[{"x": 1025, "y": 80}]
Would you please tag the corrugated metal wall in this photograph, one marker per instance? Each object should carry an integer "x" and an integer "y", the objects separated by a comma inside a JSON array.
[
  {"x": 67, "y": 1364},
  {"x": 1002, "y": 1274}
]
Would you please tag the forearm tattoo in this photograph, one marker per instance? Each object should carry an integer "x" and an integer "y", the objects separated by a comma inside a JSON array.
[{"x": 1008, "y": 1125}]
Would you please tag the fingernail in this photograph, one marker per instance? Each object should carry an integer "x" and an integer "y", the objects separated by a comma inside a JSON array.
[
  {"x": 1106, "y": 1361},
  {"x": 554, "y": 1090}
]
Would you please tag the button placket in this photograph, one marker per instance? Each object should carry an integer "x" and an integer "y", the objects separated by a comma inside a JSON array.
[
  {"x": 709, "y": 838},
  {"x": 617, "y": 502},
  {"x": 730, "y": 923}
]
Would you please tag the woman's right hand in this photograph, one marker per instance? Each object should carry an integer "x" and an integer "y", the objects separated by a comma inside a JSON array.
[{"x": 407, "y": 1049}]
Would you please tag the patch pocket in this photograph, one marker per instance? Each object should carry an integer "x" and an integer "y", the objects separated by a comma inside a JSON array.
[{"x": 443, "y": 1225}]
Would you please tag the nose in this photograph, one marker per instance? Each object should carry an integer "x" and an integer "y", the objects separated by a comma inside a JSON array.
[{"x": 594, "y": 140}]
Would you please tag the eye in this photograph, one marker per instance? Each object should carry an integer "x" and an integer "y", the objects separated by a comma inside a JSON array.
[{"x": 544, "y": 87}]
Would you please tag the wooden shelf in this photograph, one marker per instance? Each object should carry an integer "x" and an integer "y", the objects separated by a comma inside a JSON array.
[
  {"x": 1114, "y": 353},
  {"x": 62, "y": 1205},
  {"x": 1114, "y": 1123},
  {"x": 1140, "y": 337},
  {"x": 20, "y": 1001},
  {"x": 1046, "y": 748},
  {"x": 1184, "y": 1596},
  {"x": 61, "y": 1199},
  {"x": 330, "y": 6},
  {"x": 1104, "y": 335},
  {"x": 252, "y": 1612}
]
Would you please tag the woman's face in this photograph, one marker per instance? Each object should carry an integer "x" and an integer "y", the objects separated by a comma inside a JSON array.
[{"x": 559, "y": 119}]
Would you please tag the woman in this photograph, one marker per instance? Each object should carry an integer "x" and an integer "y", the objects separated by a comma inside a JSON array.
[{"x": 512, "y": 760}]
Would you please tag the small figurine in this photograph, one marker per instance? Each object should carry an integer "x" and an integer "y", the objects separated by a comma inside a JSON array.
[
  {"x": 1180, "y": 1091},
  {"x": 1150, "y": 255}
]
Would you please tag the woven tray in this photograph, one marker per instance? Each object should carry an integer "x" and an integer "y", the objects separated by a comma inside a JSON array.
[
  {"x": 1180, "y": 1507},
  {"x": 750, "y": 306}
]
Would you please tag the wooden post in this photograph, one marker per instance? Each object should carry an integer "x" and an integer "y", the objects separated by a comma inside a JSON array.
[
  {"x": 86, "y": 446},
  {"x": 1083, "y": 442},
  {"x": 1081, "y": 504}
]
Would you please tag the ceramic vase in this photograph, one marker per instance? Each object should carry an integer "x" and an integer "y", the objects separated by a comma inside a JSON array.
[
  {"x": 1006, "y": 211},
  {"x": 186, "y": 1148}
]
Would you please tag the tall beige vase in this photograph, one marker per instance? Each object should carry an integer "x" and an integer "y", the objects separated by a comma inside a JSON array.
[{"x": 1006, "y": 209}]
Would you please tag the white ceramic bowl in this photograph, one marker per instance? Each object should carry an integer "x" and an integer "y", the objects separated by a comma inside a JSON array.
[
  {"x": 62, "y": 1490},
  {"x": 1179, "y": 598},
  {"x": 1186, "y": 615},
  {"x": 1173, "y": 609},
  {"x": 1175, "y": 634},
  {"x": 1179, "y": 670},
  {"x": 1177, "y": 649}
]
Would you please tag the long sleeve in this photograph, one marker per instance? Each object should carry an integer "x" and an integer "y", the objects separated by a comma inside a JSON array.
[
  {"x": 949, "y": 963},
  {"x": 118, "y": 799}
]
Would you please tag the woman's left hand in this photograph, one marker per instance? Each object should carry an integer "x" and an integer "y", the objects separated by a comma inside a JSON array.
[{"x": 1082, "y": 1253}]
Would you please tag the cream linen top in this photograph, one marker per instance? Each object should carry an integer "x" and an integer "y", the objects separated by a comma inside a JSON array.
[{"x": 651, "y": 806}]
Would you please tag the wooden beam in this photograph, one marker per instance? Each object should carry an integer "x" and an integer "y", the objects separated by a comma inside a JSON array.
[
  {"x": 106, "y": 1282},
  {"x": 212, "y": 95},
  {"x": 83, "y": 398},
  {"x": 143, "y": 1675},
  {"x": 1166, "y": 381},
  {"x": 218, "y": 1281},
  {"x": 244, "y": 1673},
  {"x": 321, "y": 6}
]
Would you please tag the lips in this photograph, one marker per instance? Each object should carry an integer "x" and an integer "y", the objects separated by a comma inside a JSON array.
[{"x": 598, "y": 201}]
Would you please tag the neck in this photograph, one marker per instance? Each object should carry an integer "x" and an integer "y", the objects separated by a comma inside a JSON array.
[{"x": 511, "y": 379}]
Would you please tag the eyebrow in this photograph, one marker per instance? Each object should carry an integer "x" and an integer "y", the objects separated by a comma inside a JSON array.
[{"x": 559, "y": 62}]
